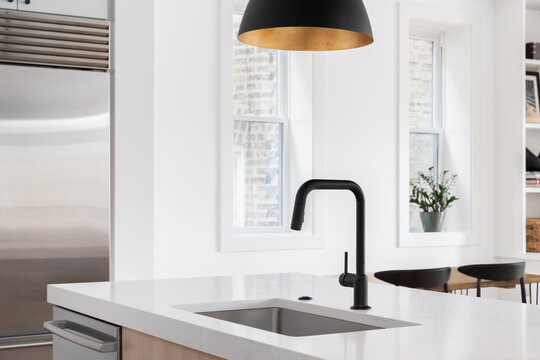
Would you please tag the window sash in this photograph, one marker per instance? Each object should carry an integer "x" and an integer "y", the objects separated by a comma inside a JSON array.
[
  {"x": 426, "y": 131},
  {"x": 266, "y": 119},
  {"x": 437, "y": 120},
  {"x": 437, "y": 128},
  {"x": 439, "y": 140},
  {"x": 283, "y": 186},
  {"x": 282, "y": 191},
  {"x": 283, "y": 69},
  {"x": 437, "y": 93},
  {"x": 437, "y": 157},
  {"x": 281, "y": 117},
  {"x": 283, "y": 106}
]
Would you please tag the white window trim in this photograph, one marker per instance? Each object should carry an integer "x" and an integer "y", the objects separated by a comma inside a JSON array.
[
  {"x": 312, "y": 235},
  {"x": 407, "y": 13}
]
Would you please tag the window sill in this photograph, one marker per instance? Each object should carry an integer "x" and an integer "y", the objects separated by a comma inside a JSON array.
[
  {"x": 272, "y": 241},
  {"x": 422, "y": 239}
]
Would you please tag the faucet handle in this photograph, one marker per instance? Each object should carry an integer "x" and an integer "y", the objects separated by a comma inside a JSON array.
[{"x": 347, "y": 279}]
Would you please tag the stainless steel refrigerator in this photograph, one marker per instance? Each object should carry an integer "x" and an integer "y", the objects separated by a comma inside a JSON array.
[{"x": 54, "y": 194}]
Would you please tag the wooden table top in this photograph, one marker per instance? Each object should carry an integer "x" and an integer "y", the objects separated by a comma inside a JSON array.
[{"x": 460, "y": 281}]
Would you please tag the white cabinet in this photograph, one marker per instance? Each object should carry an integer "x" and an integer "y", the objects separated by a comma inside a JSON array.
[
  {"x": 84, "y": 8},
  {"x": 8, "y": 4}
]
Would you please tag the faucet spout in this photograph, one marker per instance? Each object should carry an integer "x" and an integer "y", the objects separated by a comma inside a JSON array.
[{"x": 358, "y": 280}]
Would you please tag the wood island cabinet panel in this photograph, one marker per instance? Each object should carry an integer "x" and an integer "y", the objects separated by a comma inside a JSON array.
[{"x": 139, "y": 346}]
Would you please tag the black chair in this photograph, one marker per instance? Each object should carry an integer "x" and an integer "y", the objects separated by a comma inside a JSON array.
[
  {"x": 497, "y": 272},
  {"x": 421, "y": 278}
]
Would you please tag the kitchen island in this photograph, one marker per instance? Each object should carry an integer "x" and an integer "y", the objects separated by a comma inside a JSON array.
[{"x": 404, "y": 323}]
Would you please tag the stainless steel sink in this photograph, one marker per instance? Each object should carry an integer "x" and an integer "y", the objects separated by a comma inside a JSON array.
[
  {"x": 288, "y": 322},
  {"x": 292, "y": 318}
]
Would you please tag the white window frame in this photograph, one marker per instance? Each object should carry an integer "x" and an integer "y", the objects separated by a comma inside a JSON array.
[
  {"x": 438, "y": 96},
  {"x": 433, "y": 19},
  {"x": 305, "y": 70}
]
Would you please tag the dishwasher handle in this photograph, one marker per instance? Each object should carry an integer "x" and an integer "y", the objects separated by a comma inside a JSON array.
[{"x": 82, "y": 335}]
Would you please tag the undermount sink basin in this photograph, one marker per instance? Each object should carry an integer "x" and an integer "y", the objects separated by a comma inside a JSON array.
[
  {"x": 292, "y": 318},
  {"x": 288, "y": 322}
]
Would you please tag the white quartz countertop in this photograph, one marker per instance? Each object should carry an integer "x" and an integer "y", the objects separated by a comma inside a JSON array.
[{"x": 451, "y": 326}]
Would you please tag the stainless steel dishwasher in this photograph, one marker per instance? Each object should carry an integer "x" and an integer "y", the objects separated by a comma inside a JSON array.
[{"x": 80, "y": 337}]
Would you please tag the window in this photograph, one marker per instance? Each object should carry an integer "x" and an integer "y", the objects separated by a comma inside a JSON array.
[
  {"x": 439, "y": 66},
  {"x": 425, "y": 111},
  {"x": 268, "y": 106},
  {"x": 260, "y": 81}
]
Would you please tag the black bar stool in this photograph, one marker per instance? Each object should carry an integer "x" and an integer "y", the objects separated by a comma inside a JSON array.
[
  {"x": 421, "y": 278},
  {"x": 497, "y": 272}
]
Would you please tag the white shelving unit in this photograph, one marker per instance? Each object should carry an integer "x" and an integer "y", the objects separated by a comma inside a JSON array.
[
  {"x": 532, "y": 126},
  {"x": 532, "y": 65},
  {"x": 517, "y": 22},
  {"x": 532, "y": 135}
]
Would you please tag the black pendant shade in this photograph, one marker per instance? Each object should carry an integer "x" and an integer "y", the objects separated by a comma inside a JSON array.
[{"x": 306, "y": 25}]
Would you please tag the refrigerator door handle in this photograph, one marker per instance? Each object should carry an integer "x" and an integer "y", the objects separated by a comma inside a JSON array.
[
  {"x": 26, "y": 341},
  {"x": 82, "y": 335}
]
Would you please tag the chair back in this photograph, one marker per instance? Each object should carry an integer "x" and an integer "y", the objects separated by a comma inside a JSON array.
[
  {"x": 495, "y": 272},
  {"x": 420, "y": 278}
]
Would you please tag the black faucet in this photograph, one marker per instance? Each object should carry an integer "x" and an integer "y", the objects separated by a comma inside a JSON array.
[{"x": 357, "y": 281}]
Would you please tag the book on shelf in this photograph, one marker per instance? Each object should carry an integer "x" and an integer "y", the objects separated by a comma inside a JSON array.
[
  {"x": 532, "y": 51},
  {"x": 532, "y": 175},
  {"x": 532, "y": 179}
]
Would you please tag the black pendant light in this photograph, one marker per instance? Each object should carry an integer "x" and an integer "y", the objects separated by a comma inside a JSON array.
[{"x": 306, "y": 25}]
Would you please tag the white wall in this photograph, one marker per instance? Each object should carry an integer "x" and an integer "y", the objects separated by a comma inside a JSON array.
[
  {"x": 132, "y": 112},
  {"x": 509, "y": 94},
  {"x": 362, "y": 111},
  {"x": 360, "y": 142}
]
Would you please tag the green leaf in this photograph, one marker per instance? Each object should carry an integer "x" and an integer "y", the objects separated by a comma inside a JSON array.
[{"x": 431, "y": 191}]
